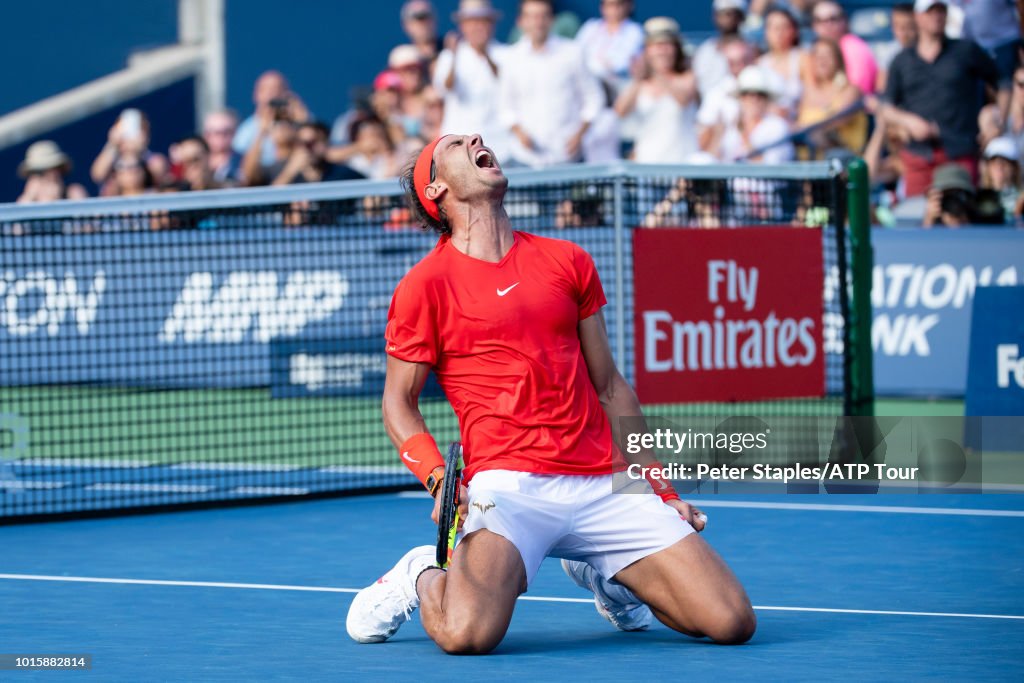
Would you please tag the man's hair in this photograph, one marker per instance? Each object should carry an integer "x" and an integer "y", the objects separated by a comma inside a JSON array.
[
  {"x": 419, "y": 213},
  {"x": 549, "y": 3},
  {"x": 319, "y": 126},
  {"x": 198, "y": 139},
  {"x": 842, "y": 10},
  {"x": 903, "y": 8}
]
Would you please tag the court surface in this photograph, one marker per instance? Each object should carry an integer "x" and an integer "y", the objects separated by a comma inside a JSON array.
[{"x": 846, "y": 587}]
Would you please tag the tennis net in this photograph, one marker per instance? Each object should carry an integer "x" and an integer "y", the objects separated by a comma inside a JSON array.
[{"x": 226, "y": 346}]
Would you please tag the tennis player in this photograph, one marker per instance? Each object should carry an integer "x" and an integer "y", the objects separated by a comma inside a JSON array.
[{"x": 511, "y": 324}]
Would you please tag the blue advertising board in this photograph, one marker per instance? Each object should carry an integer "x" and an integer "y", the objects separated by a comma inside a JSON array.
[
  {"x": 194, "y": 308},
  {"x": 922, "y": 289},
  {"x": 299, "y": 310},
  {"x": 995, "y": 385}
]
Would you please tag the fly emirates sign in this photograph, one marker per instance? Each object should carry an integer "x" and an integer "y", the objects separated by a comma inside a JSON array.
[{"x": 728, "y": 315}]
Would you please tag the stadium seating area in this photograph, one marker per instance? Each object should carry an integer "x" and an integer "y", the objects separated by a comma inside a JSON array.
[{"x": 776, "y": 82}]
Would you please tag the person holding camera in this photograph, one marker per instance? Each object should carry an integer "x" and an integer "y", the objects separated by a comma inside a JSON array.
[
  {"x": 276, "y": 129},
  {"x": 127, "y": 138},
  {"x": 951, "y": 198},
  {"x": 274, "y": 101},
  {"x": 307, "y": 162}
]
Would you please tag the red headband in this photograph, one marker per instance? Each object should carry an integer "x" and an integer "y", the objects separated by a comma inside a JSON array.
[{"x": 421, "y": 178}]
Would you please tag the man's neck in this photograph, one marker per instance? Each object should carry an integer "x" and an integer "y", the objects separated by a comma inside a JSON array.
[
  {"x": 483, "y": 232},
  {"x": 538, "y": 46},
  {"x": 929, "y": 46}
]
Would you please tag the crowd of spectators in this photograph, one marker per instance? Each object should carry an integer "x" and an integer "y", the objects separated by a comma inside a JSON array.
[{"x": 942, "y": 93}]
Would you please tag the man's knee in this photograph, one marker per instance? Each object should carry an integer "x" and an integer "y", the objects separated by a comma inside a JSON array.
[
  {"x": 468, "y": 640},
  {"x": 732, "y": 627}
]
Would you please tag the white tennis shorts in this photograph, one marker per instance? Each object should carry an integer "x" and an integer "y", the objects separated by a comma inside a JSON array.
[{"x": 573, "y": 517}]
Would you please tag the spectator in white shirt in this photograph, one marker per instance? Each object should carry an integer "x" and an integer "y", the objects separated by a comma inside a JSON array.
[
  {"x": 548, "y": 99},
  {"x": 709, "y": 62},
  {"x": 466, "y": 76},
  {"x": 720, "y": 107},
  {"x": 663, "y": 98},
  {"x": 758, "y": 134},
  {"x": 611, "y": 43}
]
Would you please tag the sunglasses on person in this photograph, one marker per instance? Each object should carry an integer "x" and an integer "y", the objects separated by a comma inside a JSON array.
[
  {"x": 830, "y": 19},
  {"x": 1019, "y": 84}
]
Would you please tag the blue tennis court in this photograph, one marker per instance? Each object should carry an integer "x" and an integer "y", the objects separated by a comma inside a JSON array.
[{"x": 854, "y": 587}]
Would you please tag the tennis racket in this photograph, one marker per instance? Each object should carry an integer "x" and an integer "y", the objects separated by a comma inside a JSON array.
[{"x": 448, "y": 519}]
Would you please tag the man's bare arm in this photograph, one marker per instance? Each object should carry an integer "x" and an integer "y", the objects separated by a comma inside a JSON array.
[
  {"x": 619, "y": 400},
  {"x": 402, "y": 386}
]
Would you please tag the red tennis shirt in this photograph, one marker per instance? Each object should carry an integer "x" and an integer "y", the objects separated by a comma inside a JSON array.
[{"x": 503, "y": 342}]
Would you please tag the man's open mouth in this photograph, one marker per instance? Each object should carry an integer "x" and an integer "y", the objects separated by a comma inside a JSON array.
[{"x": 484, "y": 159}]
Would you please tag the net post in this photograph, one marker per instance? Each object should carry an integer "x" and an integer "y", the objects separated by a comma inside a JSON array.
[
  {"x": 861, "y": 265},
  {"x": 620, "y": 273}
]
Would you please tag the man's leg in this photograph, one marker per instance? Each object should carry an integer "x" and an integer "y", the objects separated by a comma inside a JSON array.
[
  {"x": 467, "y": 609},
  {"x": 691, "y": 589}
]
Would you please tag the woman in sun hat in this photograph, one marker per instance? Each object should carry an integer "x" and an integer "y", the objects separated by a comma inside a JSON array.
[
  {"x": 45, "y": 169},
  {"x": 662, "y": 97}
]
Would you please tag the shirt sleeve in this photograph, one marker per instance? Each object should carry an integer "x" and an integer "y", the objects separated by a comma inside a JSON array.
[
  {"x": 592, "y": 98},
  {"x": 507, "y": 97},
  {"x": 894, "y": 81},
  {"x": 441, "y": 71},
  {"x": 589, "y": 292},
  {"x": 985, "y": 67},
  {"x": 411, "y": 334}
]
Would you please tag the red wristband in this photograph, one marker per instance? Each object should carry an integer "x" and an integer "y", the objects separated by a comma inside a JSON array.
[
  {"x": 662, "y": 487},
  {"x": 420, "y": 454}
]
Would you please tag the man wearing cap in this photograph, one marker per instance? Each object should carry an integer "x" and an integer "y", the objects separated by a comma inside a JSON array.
[
  {"x": 511, "y": 325},
  {"x": 756, "y": 128},
  {"x": 1001, "y": 174},
  {"x": 950, "y": 198},
  {"x": 547, "y": 97},
  {"x": 466, "y": 75},
  {"x": 44, "y": 170},
  {"x": 709, "y": 62},
  {"x": 934, "y": 95}
]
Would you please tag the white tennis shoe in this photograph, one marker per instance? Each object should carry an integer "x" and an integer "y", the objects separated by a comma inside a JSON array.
[
  {"x": 379, "y": 609},
  {"x": 614, "y": 602}
]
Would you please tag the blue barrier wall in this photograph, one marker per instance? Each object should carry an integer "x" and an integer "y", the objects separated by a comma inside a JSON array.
[
  {"x": 922, "y": 292},
  {"x": 211, "y": 308}
]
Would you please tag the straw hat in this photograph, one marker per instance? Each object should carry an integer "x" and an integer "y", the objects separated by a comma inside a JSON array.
[
  {"x": 43, "y": 156},
  {"x": 476, "y": 9},
  {"x": 661, "y": 28}
]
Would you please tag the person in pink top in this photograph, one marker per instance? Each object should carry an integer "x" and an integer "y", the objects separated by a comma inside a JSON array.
[{"x": 829, "y": 21}]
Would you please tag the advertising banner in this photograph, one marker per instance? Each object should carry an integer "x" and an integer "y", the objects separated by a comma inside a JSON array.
[
  {"x": 923, "y": 285},
  {"x": 728, "y": 315}
]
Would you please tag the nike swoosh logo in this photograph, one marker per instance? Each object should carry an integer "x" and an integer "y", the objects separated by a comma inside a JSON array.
[
  {"x": 405, "y": 456},
  {"x": 503, "y": 292}
]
